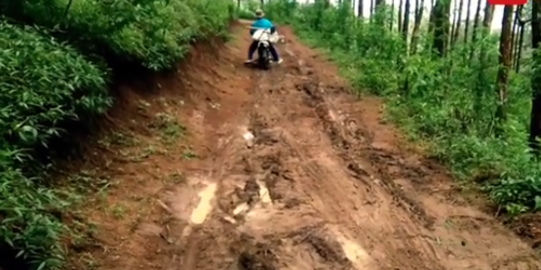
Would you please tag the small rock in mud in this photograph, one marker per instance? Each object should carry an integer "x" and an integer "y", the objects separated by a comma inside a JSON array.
[
  {"x": 292, "y": 203},
  {"x": 327, "y": 248}
]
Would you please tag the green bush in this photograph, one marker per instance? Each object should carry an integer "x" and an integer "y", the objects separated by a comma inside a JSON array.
[
  {"x": 53, "y": 72},
  {"x": 155, "y": 33},
  {"x": 248, "y": 8},
  {"x": 451, "y": 101},
  {"x": 43, "y": 84}
]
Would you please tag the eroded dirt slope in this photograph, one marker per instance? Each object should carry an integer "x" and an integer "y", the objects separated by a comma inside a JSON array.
[{"x": 283, "y": 169}]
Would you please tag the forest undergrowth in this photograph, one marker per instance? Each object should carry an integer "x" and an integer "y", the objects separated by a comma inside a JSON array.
[
  {"x": 447, "y": 97},
  {"x": 57, "y": 64}
]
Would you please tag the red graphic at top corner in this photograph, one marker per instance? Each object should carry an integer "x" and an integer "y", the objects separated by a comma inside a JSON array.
[{"x": 507, "y": 2}]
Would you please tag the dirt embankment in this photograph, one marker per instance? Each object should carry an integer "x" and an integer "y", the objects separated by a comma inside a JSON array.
[{"x": 239, "y": 169}]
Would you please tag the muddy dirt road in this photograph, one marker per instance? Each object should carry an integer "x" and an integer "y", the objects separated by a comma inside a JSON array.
[{"x": 292, "y": 172}]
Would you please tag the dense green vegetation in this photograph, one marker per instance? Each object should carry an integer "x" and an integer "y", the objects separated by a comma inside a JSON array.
[
  {"x": 56, "y": 62},
  {"x": 450, "y": 96}
]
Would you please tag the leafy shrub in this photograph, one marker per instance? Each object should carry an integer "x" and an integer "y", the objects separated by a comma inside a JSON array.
[
  {"x": 52, "y": 71},
  {"x": 155, "y": 33},
  {"x": 247, "y": 9},
  {"x": 44, "y": 83}
]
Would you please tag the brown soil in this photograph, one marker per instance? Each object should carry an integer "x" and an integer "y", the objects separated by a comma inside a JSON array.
[{"x": 322, "y": 184}]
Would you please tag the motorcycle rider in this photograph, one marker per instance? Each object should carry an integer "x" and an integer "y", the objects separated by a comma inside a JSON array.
[{"x": 262, "y": 23}]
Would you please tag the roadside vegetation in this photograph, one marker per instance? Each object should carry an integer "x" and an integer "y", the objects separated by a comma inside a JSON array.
[
  {"x": 57, "y": 61},
  {"x": 448, "y": 80}
]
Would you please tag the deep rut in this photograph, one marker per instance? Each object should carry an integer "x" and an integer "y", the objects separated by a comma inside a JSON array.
[{"x": 302, "y": 176}]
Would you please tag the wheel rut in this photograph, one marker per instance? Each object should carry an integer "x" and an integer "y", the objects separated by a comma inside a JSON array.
[
  {"x": 309, "y": 186},
  {"x": 300, "y": 174}
]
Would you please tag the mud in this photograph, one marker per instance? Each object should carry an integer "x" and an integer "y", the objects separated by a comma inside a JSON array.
[{"x": 293, "y": 172}]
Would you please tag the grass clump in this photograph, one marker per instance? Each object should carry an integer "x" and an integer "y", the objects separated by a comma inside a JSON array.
[{"x": 56, "y": 64}]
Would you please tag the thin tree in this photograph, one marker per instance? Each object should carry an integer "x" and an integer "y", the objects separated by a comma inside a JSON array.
[
  {"x": 504, "y": 61},
  {"x": 406, "y": 23},
  {"x": 535, "y": 119},
  {"x": 400, "y": 3},
  {"x": 419, "y": 4},
  {"x": 477, "y": 19},
  {"x": 453, "y": 24},
  {"x": 458, "y": 21},
  {"x": 514, "y": 35},
  {"x": 483, "y": 58},
  {"x": 431, "y": 20},
  {"x": 360, "y": 8},
  {"x": 392, "y": 17},
  {"x": 520, "y": 39},
  {"x": 468, "y": 16},
  {"x": 441, "y": 26}
]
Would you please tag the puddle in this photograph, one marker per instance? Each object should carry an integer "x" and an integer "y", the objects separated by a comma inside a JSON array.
[
  {"x": 264, "y": 194},
  {"x": 204, "y": 207},
  {"x": 355, "y": 253},
  {"x": 248, "y": 136},
  {"x": 333, "y": 116},
  {"x": 241, "y": 209}
]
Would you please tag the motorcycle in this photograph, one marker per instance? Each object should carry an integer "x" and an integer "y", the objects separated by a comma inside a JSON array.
[{"x": 264, "y": 38}]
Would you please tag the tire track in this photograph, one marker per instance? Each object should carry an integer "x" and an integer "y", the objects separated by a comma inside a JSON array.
[{"x": 302, "y": 183}]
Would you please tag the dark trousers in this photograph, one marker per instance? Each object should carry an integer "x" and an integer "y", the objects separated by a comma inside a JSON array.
[{"x": 253, "y": 48}]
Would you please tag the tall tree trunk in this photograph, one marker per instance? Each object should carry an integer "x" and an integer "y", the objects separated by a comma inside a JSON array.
[
  {"x": 360, "y": 8},
  {"x": 504, "y": 61},
  {"x": 419, "y": 4},
  {"x": 453, "y": 24},
  {"x": 520, "y": 45},
  {"x": 400, "y": 4},
  {"x": 535, "y": 120},
  {"x": 514, "y": 35},
  {"x": 467, "y": 25},
  {"x": 519, "y": 35},
  {"x": 459, "y": 21},
  {"x": 393, "y": 8},
  {"x": 431, "y": 20},
  {"x": 480, "y": 85},
  {"x": 487, "y": 21},
  {"x": 406, "y": 23},
  {"x": 477, "y": 19},
  {"x": 441, "y": 26}
]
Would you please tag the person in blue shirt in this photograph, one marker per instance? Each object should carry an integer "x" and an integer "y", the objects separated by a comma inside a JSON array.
[{"x": 262, "y": 23}]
